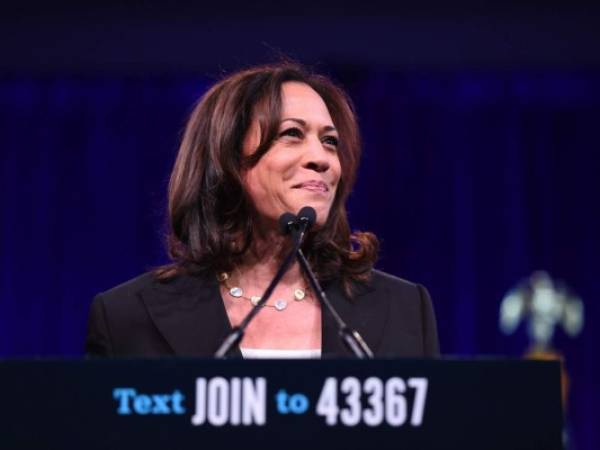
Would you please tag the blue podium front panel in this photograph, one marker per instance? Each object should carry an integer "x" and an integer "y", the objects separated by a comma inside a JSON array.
[{"x": 349, "y": 404}]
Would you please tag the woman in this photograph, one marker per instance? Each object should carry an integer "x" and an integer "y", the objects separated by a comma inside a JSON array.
[{"x": 262, "y": 142}]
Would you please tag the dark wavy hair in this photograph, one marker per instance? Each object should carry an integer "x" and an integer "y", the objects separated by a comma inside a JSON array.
[{"x": 208, "y": 206}]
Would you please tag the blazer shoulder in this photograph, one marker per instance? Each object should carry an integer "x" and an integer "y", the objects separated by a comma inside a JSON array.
[
  {"x": 105, "y": 313},
  {"x": 152, "y": 289},
  {"x": 411, "y": 309},
  {"x": 129, "y": 288},
  {"x": 399, "y": 289},
  {"x": 384, "y": 279}
]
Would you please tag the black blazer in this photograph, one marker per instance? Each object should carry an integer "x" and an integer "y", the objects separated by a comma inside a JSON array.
[{"x": 186, "y": 317}]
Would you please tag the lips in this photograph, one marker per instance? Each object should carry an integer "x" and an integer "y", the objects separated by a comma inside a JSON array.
[{"x": 312, "y": 185}]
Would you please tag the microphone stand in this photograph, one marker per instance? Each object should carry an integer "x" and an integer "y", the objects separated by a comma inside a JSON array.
[
  {"x": 351, "y": 338},
  {"x": 298, "y": 225},
  {"x": 237, "y": 333}
]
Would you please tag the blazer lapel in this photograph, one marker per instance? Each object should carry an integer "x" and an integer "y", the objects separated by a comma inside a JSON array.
[
  {"x": 366, "y": 313},
  {"x": 189, "y": 314}
]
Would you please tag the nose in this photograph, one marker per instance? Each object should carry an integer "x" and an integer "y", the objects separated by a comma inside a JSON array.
[{"x": 317, "y": 156}]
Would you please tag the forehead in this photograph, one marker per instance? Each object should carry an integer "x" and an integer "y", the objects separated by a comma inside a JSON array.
[{"x": 299, "y": 100}]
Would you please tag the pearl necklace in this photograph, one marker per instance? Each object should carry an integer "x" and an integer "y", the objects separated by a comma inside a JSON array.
[{"x": 279, "y": 304}]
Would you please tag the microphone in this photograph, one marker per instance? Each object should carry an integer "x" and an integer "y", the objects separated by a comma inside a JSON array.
[
  {"x": 351, "y": 338},
  {"x": 302, "y": 222},
  {"x": 307, "y": 216},
  {"x": 288, "y": 223}
]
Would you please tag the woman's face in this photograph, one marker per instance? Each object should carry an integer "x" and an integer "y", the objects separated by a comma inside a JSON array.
[{"x": 302, "y": 167}]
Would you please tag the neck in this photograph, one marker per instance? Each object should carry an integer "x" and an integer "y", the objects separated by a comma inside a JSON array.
[{"x": 265, "y": 256}]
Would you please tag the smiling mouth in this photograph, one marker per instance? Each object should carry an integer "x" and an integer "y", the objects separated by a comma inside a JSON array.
[{"x": 313, "y": 186}]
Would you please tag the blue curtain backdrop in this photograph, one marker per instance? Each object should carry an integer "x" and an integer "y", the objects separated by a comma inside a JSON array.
[{"x": 471, "y": 179}]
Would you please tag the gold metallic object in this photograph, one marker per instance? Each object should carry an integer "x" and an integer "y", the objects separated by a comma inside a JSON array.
[
  {"x": 237, "y": 292},
  {"x": 544, "y": 304}
]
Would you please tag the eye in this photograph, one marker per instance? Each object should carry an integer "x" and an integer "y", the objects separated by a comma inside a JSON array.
[
  {"x": 292, "y": 132},
  {"x": 331, "y": 140}
]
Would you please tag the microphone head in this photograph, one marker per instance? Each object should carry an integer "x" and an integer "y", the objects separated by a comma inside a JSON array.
[
  {"x": 286, "y": 222},
  {"x": 307, "y": 215}
]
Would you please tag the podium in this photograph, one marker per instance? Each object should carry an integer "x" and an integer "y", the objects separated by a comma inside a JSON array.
[{"x": 280, "y": 404}]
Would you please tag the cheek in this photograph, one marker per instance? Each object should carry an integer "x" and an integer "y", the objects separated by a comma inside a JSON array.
[
  {"x": 260, "y": 182},
  {"x": 253, "y": 185},
  {"x": 277, "y": 169},
  {"x": 337, "y": 168},
  {"x": 266, "y": 180},
  {"x": 283, "y": 162}
]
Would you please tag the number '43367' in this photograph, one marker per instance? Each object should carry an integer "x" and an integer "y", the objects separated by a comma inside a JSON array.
[{"x": 372, "y": 401}]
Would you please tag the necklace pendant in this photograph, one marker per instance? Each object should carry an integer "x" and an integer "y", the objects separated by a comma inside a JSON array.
[
  {"x": 254, "y": 300},
  {"x": 280, "y": 304},
  {"x": 236, "y": 292},
  {"x": 299, "y": 294}
]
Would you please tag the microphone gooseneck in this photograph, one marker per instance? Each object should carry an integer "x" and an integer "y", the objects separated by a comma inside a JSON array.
[
  {"x": 298, "y": 226},
  {"x": 287, "y": 223},
  {"x": 351, "y": 338}
]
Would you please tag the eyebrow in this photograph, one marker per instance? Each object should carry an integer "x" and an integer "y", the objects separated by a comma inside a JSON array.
[{"x": 303, "y": 123}]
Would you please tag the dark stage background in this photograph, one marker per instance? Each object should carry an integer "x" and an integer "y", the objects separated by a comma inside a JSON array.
[{"x": 481, "y": 133}]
